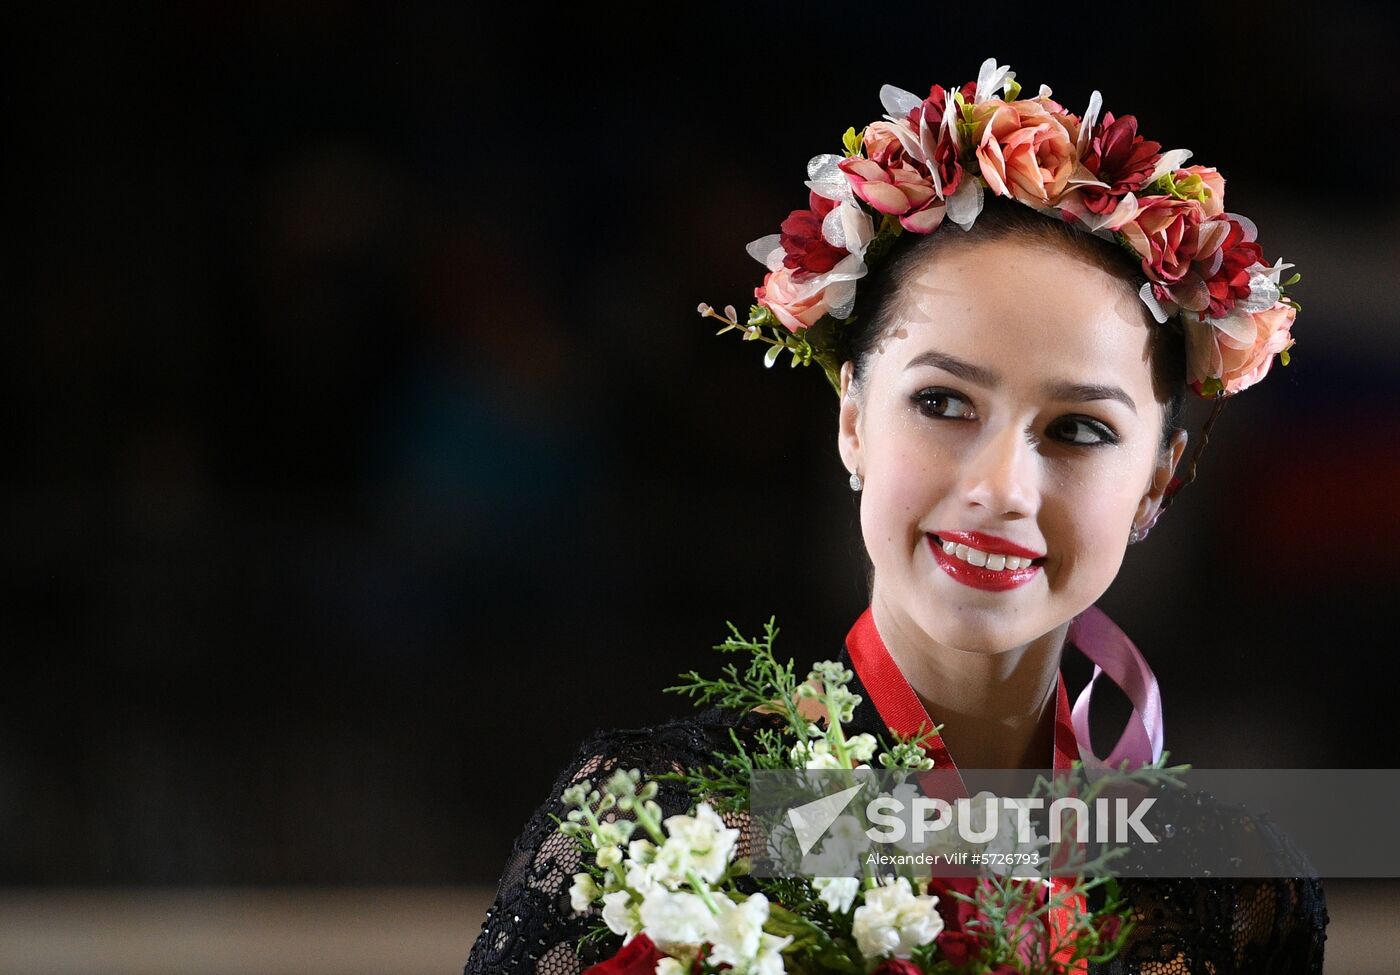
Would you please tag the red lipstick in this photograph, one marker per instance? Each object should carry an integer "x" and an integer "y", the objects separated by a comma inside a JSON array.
[
  {"x": 991, "y": 580},
  {"x": 991, "y": 544}
]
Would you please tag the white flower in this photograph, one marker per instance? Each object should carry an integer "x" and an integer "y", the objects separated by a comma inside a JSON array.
[
  {"x": 990, "y": 78},
  {"x": 583, "y": 892},
  {"x": 701, "y": 842},
  {"x": 621, "y": 915},
  {"x": 841, "y": 847},
  {"x": 670, "y": 966},
  {"x": 740, "y": 941},
  {"x": 894, "y": 921},
  {"x": 817, "y": 755},
  {"x": 641, "y": 851},
  {"x": 643, "y": 877},
  {"x": 862, "y": 747},
  {"x": 1010, "y": 842},
  {"x": 676, "y": 920},
  {"x": 738, "y": 930},
  {"x": 838, "y": 892},
  {"x": 769, "y": 960}
]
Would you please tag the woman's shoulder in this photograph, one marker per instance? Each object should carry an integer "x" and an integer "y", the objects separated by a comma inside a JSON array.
[
  {"x": 1187, "y": 913},
  {"x": 671, "y": 745}
]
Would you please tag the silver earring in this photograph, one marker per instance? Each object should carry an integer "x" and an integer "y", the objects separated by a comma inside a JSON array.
[
  {"x": 1133, "y": 536},
  {"x": 855, "y": 482}
]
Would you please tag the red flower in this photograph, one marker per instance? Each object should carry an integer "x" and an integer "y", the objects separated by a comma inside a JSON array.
[
  {"x": 955, "y": 911},
  {"x": 804, "y": 247},
  {"x": 956, "y": 942},
  {"x": 945, "y": 156},
  {"x": 1120, "y": 157},
  {"x": 1231, "y": 282},
  {"x": 958, "y": 947},
  {"x": 897, "y": 966},
  {"x": 638, "y": 957}
]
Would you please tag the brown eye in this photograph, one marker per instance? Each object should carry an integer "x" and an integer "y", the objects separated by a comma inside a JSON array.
[
  {"x": 1076, "y": 428},
  {"x": 942, "y": 403}
]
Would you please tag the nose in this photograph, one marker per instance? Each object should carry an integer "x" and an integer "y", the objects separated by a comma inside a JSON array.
[{"x": 1002, "y": 474}]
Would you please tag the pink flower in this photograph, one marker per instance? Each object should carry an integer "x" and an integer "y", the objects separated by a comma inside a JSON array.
[
  {"x": 1168, "y": 235},
  {"x": 1239, "y": 349},
  {"x": 790, "y": 296},
  {"x": 1214, "y": 203},
  {"x": 1025, "y": 151},
  {"x": 1120, "y": 157},
  {"x": 902, "y": 190},
  {"x": 882, "y": 145}
]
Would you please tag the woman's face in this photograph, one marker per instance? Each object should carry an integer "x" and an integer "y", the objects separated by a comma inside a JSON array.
[{"x": 1010, "y": 409}]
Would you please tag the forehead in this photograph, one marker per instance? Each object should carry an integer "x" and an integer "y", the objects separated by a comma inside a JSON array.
[{"x": 1027, "y": 310}]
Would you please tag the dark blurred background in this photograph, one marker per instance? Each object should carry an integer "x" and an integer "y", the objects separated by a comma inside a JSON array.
[{"x": 367, "y": 451}]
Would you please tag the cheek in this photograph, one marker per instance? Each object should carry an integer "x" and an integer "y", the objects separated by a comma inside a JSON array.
[
  {"x": 902, "y": 487},
  {"x": 1091, "y": 517}
]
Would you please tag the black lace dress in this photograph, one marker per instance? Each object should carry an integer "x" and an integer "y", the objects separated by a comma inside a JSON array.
[{"x": 1183, "y": 926}]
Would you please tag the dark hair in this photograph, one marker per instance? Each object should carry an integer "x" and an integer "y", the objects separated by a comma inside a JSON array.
[{"x": 1002, "y": 218}]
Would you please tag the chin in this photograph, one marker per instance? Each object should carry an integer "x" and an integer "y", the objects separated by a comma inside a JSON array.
[{"x": 983, "y": 634}]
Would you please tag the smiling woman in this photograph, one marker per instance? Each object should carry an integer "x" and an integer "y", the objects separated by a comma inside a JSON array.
[
  {"x": 1007, "y": 395},
  {"x": 1010, "y": 396}
]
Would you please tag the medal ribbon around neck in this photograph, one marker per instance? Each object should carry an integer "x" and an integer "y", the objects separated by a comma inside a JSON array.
[
  {"x": 1096, "y": 636},
  {"x": 1099, "y": 639},
  {"x": 901, "y": 710}
]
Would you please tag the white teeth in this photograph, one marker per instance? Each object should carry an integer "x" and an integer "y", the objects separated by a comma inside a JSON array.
[{"x": 996, "y": 563}]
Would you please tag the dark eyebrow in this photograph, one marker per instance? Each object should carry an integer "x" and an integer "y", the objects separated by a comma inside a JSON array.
[{"x": 1076, "y": 392}]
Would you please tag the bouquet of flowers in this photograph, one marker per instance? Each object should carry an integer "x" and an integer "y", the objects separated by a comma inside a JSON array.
[{"x": 687, "y": 904}]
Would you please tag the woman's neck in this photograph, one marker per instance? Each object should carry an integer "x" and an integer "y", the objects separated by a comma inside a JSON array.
[{"x": 997, "y": 709}]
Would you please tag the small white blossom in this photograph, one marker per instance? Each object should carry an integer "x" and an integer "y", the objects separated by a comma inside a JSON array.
[
  {"x": 769, "y": 960},
  {"x": 894, "y": 921},
  {"x": 737, "y": 931},
  {"x": 700, "y": 842},
  {"x": 815, "y": 755},
  {"x": 609, "y": 857},
  {"x": 1011, "y": 842},
  {"x": 838, "y": 892},
  {"x": 862, "y": 747},
  {"x": 740, "y": 941},
  {"x": 642, "y": 877},
  {"x": 670, "y": 966},
  {"x": 584, "y": 891},
  {"x": 676, "y": 920},
  {"x": 621, "y": 915},
  {"x": 841, "y": 847}
]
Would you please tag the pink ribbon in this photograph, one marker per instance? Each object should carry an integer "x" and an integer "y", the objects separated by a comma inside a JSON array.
[{"x": 1112, "y": 653}]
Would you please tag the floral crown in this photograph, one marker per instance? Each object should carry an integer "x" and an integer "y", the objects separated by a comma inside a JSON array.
[{"x": 933, "y": 159}]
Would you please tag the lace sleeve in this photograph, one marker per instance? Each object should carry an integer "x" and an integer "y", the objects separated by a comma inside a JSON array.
[
  {"x": 1220, "y": 926},
  {"x": 532, "y": 927}
]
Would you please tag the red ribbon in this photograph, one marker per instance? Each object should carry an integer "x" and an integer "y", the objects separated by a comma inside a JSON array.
[{"x": 902, "y": 711}]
